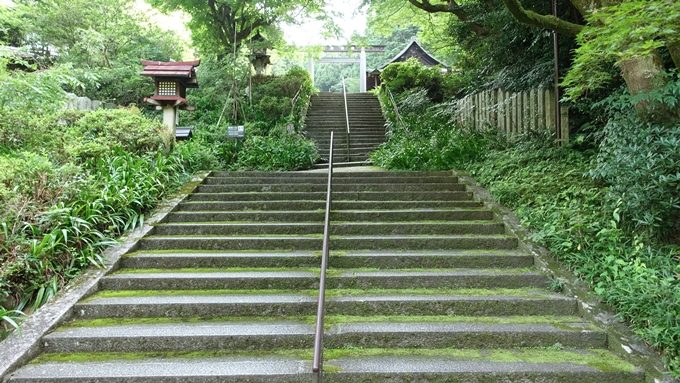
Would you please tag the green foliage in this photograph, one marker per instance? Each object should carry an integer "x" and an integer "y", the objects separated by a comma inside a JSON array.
[
  {"x": 616, "y": 33},
  {"x": 218, "y": 28},
  {"x": 411, "y": 74},
  {"x": 93, "y": 134},
  {"x": 424, "y": 138},
  {"x": 602, "y": 232},
  {"x": 569, "y": 213},
  {"x": 286, "y": 152},
  {"x": 197, "y": 156},
  {"x": 278, "y": 102},
  {"x": 100, "y": 44},
  {"x": 640, "y": 162},
  {"x": 41, "y": 255},
  {"x": 281, "y": 99},
  {"x": 40, "y": 92}
]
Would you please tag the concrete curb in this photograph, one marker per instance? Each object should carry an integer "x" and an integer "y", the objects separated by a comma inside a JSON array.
[
  {"x": 23, "y": 345},
  {"x": 622, "y": 341}
]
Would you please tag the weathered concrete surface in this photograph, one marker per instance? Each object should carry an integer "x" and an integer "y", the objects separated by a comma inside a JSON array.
[{"x": 213, "y": 370}]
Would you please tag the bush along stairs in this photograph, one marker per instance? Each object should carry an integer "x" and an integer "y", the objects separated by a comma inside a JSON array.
[
  {"x": 425, "y": 285},
  {"x": 367, "y": 125}
]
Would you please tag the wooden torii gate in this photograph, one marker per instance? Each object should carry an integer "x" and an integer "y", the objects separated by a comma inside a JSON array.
[{"x": 361, "y": 60}]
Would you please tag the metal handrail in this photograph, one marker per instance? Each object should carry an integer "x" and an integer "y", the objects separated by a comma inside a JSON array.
[
  {"x": 344, "y": 95},
  {"x": 317, "y": 365}
]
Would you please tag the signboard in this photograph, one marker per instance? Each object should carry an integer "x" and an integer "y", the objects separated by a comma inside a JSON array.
[{"x": 236, "y": 131}]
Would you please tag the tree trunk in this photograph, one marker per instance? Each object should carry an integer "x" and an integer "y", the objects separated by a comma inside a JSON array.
[
  {"x": 643, "y": 74},
  {"x": 674, "y": 49}
]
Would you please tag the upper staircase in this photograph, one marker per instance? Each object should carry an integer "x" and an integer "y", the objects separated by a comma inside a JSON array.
[
  {"x": 367, "y": 125},
  {"x": 425, "y": 285}
]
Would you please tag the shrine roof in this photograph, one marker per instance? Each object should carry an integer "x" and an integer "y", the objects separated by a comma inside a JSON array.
[{"x": 181, "y": 69}]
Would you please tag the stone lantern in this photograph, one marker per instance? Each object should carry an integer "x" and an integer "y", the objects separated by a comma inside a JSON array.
[
  {"x": 259, "y": 57},
  {"x": 172, "y": 80}
]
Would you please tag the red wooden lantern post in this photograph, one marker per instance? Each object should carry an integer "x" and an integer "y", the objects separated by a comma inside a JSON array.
[{"x": 172, "y": 80}]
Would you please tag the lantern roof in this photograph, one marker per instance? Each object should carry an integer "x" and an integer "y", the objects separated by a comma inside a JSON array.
[{"x": 175, "y": 69}]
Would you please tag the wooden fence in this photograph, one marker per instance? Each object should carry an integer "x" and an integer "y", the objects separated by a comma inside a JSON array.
[{"x": 513, "y": 113}]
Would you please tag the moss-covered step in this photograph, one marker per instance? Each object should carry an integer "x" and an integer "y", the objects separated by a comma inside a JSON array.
[
  {"x": 337, "y": 196},
  {"x": 391, "y": 173},
  {"x": 205, "y": 280},
  {"x": 337, "y": 228},
  {"x": 204, "y": 188},
  {"x": 397, "y": 215},
  {"x": 312, "y": 242},
  {"x": 320, "y": 204},
  {"x": 250, "y": 369},
  {"x": 395, "y": 259},
  {"x": 290, "y": 303},
  {"x": 181, "y": 337},
  {"x": 320, "y": 178},
  {"x": 270, "y": 335},
  {"x": 201, "y": 279},
  {"x": 505, "y": 366},
  {"x": 187, "y": 259}
]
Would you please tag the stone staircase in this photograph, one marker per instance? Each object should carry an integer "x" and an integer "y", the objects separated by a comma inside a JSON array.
[
  {"x": 367, "y": 125},
  {"x": 425, "y": 285}
]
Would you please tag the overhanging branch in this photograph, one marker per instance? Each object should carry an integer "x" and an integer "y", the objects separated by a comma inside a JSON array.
[
  {"x": 450, "y": 6},
  {"x": 534, "y": 19}
]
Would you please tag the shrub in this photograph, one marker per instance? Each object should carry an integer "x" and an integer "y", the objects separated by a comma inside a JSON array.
[
  {"x": 196, "y": 156},
  {"x": 641, "y": 161},
  {"x": 69, "y": 236},
  {"x": 411, "y": 74},
  {"x": 30, "y": 182},
  {"x": 93, "y": 134},
  {"x": 286, "y": 152},
  {"x": 550, "y": 191}
]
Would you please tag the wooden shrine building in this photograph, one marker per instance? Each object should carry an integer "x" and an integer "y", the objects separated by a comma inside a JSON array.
[{"x": 412, "y": 50}]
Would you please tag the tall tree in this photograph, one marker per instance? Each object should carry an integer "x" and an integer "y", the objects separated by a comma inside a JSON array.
[
  {"x": 221, "y": 26},
  {"x": 639, "y": 65}
]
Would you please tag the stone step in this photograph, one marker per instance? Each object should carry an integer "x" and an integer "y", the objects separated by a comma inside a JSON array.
[
  {"x": 291, "y": 304},
  {"x": 250, "y": 369},
  {"x": 347, "y": 187},
  {"x": 336, "y": 228},
  {"x": 324, "y": 144},
  {"x": 322, "y": 178},
  {"x": 433, "y": 369},
  {"x": 289, "y": 242},
  {"x": 465, "y": 366},
  {"x": 346, "y": 259},
  {"x": 353, "y": 149},
  {"x": 337, "y": 196},
  {"x": 320, "y": 204},
  {"x": 352, "y": 175},
  {"x": 268, "y": 335},
  {"x": 336, "y": 215},
  {"x": 235, "y": 279}
]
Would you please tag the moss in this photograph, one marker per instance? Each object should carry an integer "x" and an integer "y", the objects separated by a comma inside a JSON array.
[
  {"x": 527, "y": 293},
  {"x": 522, "y": 293},
  {"x": 111, "y": 356},
  {"x": 215, "y": 270},
  {"x": 598, "y": 359},
  {"x": 151, "y": 293}
]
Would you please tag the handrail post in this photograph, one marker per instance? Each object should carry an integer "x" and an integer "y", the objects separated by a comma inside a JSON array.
[
  {"x": 317, "y": 365},
  {"x": 348, "y": 136}
]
